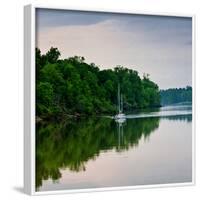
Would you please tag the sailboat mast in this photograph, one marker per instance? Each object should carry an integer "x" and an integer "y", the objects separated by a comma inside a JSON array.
[
  {"x": 121, "y": 103},
  {"x": 119, "y": 97}
]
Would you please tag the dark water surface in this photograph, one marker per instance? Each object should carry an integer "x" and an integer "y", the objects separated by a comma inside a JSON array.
[{"x": 148, "y": 148}]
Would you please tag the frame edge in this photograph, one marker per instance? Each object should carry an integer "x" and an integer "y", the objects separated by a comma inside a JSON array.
[{"x": 27, "y": 100}]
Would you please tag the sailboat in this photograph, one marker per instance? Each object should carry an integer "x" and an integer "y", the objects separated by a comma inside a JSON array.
[{"x": 120, "y": 117}]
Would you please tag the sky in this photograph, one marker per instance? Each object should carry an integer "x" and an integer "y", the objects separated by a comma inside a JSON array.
[{"x": 160, "y": 46}]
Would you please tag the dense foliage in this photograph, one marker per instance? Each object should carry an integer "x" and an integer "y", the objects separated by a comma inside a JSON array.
[
  {"x": 72, "y": 86},
  {"x": 176, "y": 95}
]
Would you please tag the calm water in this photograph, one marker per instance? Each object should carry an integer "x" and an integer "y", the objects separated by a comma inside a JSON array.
[{"x": 153, "y": 147}]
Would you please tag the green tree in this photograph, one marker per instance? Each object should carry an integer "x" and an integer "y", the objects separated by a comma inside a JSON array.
[
  {"x": 81, "y": 88},
  {"x": 44, "y": 97},
  {"x": 52, "y": 55}
]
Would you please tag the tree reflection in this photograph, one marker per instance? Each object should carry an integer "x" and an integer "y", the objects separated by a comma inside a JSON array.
[
  {"x": 187, "y": 118},
  {"x": 71, "y": 143}
]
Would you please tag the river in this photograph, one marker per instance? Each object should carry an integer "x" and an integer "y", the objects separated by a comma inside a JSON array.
[{"x": 150, "y": 147}]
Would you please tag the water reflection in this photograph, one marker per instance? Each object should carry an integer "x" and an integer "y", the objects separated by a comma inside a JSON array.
[
  {"x": 187, "y": 118},
  {"x": 72, "y": 143}
]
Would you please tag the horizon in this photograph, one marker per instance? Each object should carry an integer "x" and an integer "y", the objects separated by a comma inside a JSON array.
[{"x": 142, "y": 43}]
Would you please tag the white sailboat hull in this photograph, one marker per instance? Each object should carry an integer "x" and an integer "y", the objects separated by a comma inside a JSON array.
[
  {"x": 120, "y": 116},
  {"x": 120, "y": 120}
]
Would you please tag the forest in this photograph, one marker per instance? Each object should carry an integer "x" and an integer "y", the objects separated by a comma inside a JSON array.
[
  {"x": 176, "y": 95},
  {"x": 73, "y": 87}
]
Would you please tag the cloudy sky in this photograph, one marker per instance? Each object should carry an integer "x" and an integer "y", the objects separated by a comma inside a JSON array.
[{"x": 157, "y": 45}]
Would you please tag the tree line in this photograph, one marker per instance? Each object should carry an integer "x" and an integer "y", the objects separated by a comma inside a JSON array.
[
  {"x": 176, "y": 95},
  {"x": 72, "y": 86}
]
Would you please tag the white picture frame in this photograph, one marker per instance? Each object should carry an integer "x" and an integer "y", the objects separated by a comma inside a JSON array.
[{"x": 29, "y": 100}]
